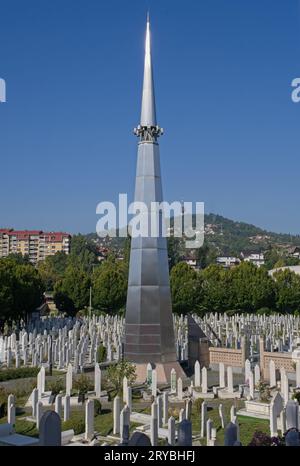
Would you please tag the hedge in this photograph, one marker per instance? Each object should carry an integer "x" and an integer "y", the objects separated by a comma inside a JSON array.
[{"x": 21, "y": 373}]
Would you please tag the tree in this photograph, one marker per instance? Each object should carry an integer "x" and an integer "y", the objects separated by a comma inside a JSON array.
[
  {"x": 110, "y": 286},
  {"x": 7, "y": 280},
  {"x": 83, "y": 253},
  {"x": 287, "y": 285},
  {"x": 251, "y": 288},
  {"x": 82, "y": 384},
  {"x": 173, "y": 244},
  {"x": 71, "y": 293},
  {"x": 19, "y": 258},
  {"x": 117, "y": 372},
  {"x": 202, "y": 256},
  {"x": 271, "y": 257},
  {"x": 185, "y": 288},
  {"x": 28, "y": 290},
  {"x": 63, "y": 302},
  {"x": 21, "y": 290},
  {"x": 215, "y": 289},
  {"x": 52, "y": 269}
]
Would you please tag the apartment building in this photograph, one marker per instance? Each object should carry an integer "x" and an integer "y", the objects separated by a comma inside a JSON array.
[{"x": 36, "y": 244}]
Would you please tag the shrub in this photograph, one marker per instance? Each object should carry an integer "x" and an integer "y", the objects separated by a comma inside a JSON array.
[
  {"x": 260, "y": 439},
  {"x": 78, "y": 425},
  {"x": 101, "y": 353},
  {"x": 97, "y": 407},
  {"x": 264, "y": 391},
  {"x": 83, "y": 384},
  {"x": 117, "y": 372},
  {"x": 56, "y": 386},
  {"x": 198, "y": 403},
  {"x": 20, "y": 373}
]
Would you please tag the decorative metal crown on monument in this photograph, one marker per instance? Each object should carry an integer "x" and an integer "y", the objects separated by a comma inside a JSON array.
[{"x": 148, "y": 133}]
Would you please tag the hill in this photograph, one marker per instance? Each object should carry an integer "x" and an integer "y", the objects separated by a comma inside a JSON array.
[{"x": 226, "y": 237}]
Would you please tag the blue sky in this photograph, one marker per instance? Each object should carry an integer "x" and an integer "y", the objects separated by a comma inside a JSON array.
[{"x": 223, "y": 71}]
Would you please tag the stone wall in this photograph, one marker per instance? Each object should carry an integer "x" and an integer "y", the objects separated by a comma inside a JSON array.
[
  {"x": 280, "y": 360},
  {"x": 228, "y": 356}
]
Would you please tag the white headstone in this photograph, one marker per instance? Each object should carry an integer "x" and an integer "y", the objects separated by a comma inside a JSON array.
[
  {"x": 97, "y": 380},
  {"x": 39, "y": 413},
  {"x": 117, "y": 412},
  {"x": 256, "y": 374},
  {"x": 272, "y": 372},
  {"x": 165, "y": 407},
  {"x": 197, "y": 374},
  {"x": 179, "y": 389},
  {"x": 251, "y": 385},
  {"x": 247, "y": 370},
  {"x": 173, "y": 381},
  {"x": 149, "y": 374},
  {"x": 154, "y": 424},
  {"x": 125, "y": 386},
  {"x": 69, "y": 379},
  {"x": 34, "y": 400},
  {"x": 285, "y": 389},
  {"x": 222, "y": 417},
  {"x": 209, "y": 425},
  {"x": 154, "y": 383},
  {"x": 66, "y": 407},
  {"x": 58, "y": 405},
  {"x": 222, "y": 375},
  {"x": 204, "y": 380},
  {"x": 89, "y": 420},
  {"x": 11, "y": 410},
  {"x": 229, "y": 379}
]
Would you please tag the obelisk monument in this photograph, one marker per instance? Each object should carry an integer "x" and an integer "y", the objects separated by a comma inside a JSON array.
[{"x": 149, "y": 332}]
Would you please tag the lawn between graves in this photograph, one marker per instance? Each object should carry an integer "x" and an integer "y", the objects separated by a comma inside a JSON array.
[
  {"x": 247, "y": 425},
  {"x": 104, "y": 421}
]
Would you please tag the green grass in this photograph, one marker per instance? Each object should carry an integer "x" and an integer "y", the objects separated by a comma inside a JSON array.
[
  {"x": 247, "y": 425},
  {"x": 104, "y": 421}
]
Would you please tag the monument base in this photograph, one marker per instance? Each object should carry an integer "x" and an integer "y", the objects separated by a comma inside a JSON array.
[{"x": 163, "y": 371}]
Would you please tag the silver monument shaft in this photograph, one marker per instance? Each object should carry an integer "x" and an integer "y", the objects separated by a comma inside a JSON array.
[{"x": 149, "y": 333}]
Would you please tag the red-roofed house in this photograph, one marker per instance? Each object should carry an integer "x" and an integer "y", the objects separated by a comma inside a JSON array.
[{"x": 35, "y": 243}]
